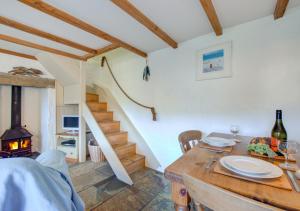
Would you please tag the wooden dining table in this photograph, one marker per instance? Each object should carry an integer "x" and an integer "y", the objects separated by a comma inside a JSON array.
[{"x": 194, "y": 163}]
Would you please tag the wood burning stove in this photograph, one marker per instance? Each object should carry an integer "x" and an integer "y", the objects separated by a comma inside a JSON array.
[{"x": 16, "y": 141}]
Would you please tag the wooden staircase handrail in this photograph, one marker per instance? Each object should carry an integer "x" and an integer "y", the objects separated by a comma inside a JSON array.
[{"x": 104, "y": 59}]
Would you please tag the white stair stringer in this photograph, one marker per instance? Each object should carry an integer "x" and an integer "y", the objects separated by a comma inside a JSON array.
[{"x": 105, "y": 146}]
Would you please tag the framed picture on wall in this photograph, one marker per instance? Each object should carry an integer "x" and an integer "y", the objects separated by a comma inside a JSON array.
[{"x": 214, "y": 62}]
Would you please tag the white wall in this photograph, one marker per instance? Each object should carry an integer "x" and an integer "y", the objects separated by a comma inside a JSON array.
[
  {"x": 66, "y": 73},
  {"x": 47, "y": 119},
  {"x": 7, "y": 62},
  {"x": 266, "y": 77},
  {"x": 34, "y": 103},
  {"x": 65, "y": 70}
]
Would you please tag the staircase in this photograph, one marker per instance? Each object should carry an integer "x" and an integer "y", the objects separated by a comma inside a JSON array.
[{"x": 125, "y": 150}]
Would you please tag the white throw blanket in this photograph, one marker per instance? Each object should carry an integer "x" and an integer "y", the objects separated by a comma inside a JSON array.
[{"x": 37, "y": 185}]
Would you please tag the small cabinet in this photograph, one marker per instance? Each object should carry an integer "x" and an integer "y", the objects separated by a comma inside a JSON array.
[{"x": 72, "y": 94}]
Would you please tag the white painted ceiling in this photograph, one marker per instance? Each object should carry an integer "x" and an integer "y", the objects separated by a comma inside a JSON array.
[{"x": 181, "y": 19}]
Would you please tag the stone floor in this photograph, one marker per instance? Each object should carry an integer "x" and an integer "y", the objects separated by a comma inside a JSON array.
[{"x": 101, "y": 191}]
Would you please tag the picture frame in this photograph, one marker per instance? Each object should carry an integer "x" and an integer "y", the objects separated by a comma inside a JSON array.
[{"x": 214, "y": 62}]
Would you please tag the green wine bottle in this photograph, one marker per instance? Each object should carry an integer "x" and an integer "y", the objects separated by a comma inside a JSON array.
[{"x": 278, "y": 132}]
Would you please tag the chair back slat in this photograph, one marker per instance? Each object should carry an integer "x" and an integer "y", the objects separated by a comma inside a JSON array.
[{"x": 189, "y": 139}]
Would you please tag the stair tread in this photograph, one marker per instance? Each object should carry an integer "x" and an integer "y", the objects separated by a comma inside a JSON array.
[
  {"x": 103, "y": 115},
  {"x": 115, "y": 133},
  {"x": 109, "y": 126},
  {"x": 92, "y": 98},
  {"x": 97, "y": 102},
  {"x": 109, "y": 122},
  {"x": 102, "y": 112},
  {"x": 131, "y": 159},
  {"x": 91, "y": 94},
  {"x": 116, "y": 147},
  {"x": 94, "y": 102},
  {"x": 97, "y": 109},
  {"x": 97, "y": 106}
]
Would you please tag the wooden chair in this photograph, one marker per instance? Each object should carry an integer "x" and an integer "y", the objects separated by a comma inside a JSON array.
[
  {"x": 217, "y": 198},
  {"x": 189, "y": 139}
]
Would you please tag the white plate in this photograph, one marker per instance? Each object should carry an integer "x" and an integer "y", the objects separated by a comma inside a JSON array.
[
  {"x": 247, "y": 165},
  {"x": 218, "y": 142},
  {"x": 249, "y": 169}
]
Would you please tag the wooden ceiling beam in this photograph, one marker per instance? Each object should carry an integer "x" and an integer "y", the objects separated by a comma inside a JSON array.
[
  {"x": 280, "y": 8},
  {"x": 37, "y": 46},
  {"x": 212, "y": 16},
  {"x": 61, "y": 15},
  {"x": 102, "y": 51},
  {"x": 130, "y": 9},
  {"x": 17, "y": 54},
  {"x": 31, "y": 30},
  {"x": 29, "y": 81}
]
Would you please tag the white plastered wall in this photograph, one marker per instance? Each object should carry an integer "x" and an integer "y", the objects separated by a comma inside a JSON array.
[{"x": 266, "y": 77}]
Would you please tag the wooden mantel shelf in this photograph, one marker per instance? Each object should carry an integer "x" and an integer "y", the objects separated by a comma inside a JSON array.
[{"x": 29, "y": 81}]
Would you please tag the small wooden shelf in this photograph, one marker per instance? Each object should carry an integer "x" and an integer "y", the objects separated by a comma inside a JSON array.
[{"x": 67, "y": 134}]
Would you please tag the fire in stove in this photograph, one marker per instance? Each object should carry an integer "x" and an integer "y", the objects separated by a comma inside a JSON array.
[
  {"x": 13, "y": 145},
  {"x": 25, "y": 143},
  {"x": 16, "y": 144},
  {"x": 16, "y": 141}
]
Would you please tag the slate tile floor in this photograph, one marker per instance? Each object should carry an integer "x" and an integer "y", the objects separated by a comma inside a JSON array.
[{"x": 101, "y": 191}]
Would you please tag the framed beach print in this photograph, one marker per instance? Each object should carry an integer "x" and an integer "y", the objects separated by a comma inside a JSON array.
[{"x": 214, "y": 62}]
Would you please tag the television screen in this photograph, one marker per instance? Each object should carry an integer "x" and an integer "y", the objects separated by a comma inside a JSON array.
[{"x": 71, "y": 122}]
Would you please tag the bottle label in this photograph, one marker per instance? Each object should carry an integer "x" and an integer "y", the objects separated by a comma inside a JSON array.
[{"x": 274, "y": 144}]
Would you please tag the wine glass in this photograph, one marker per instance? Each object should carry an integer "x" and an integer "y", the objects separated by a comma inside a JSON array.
[
  {"x": 234, "y": 129},
  {"x": 287, "y": 148}
]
